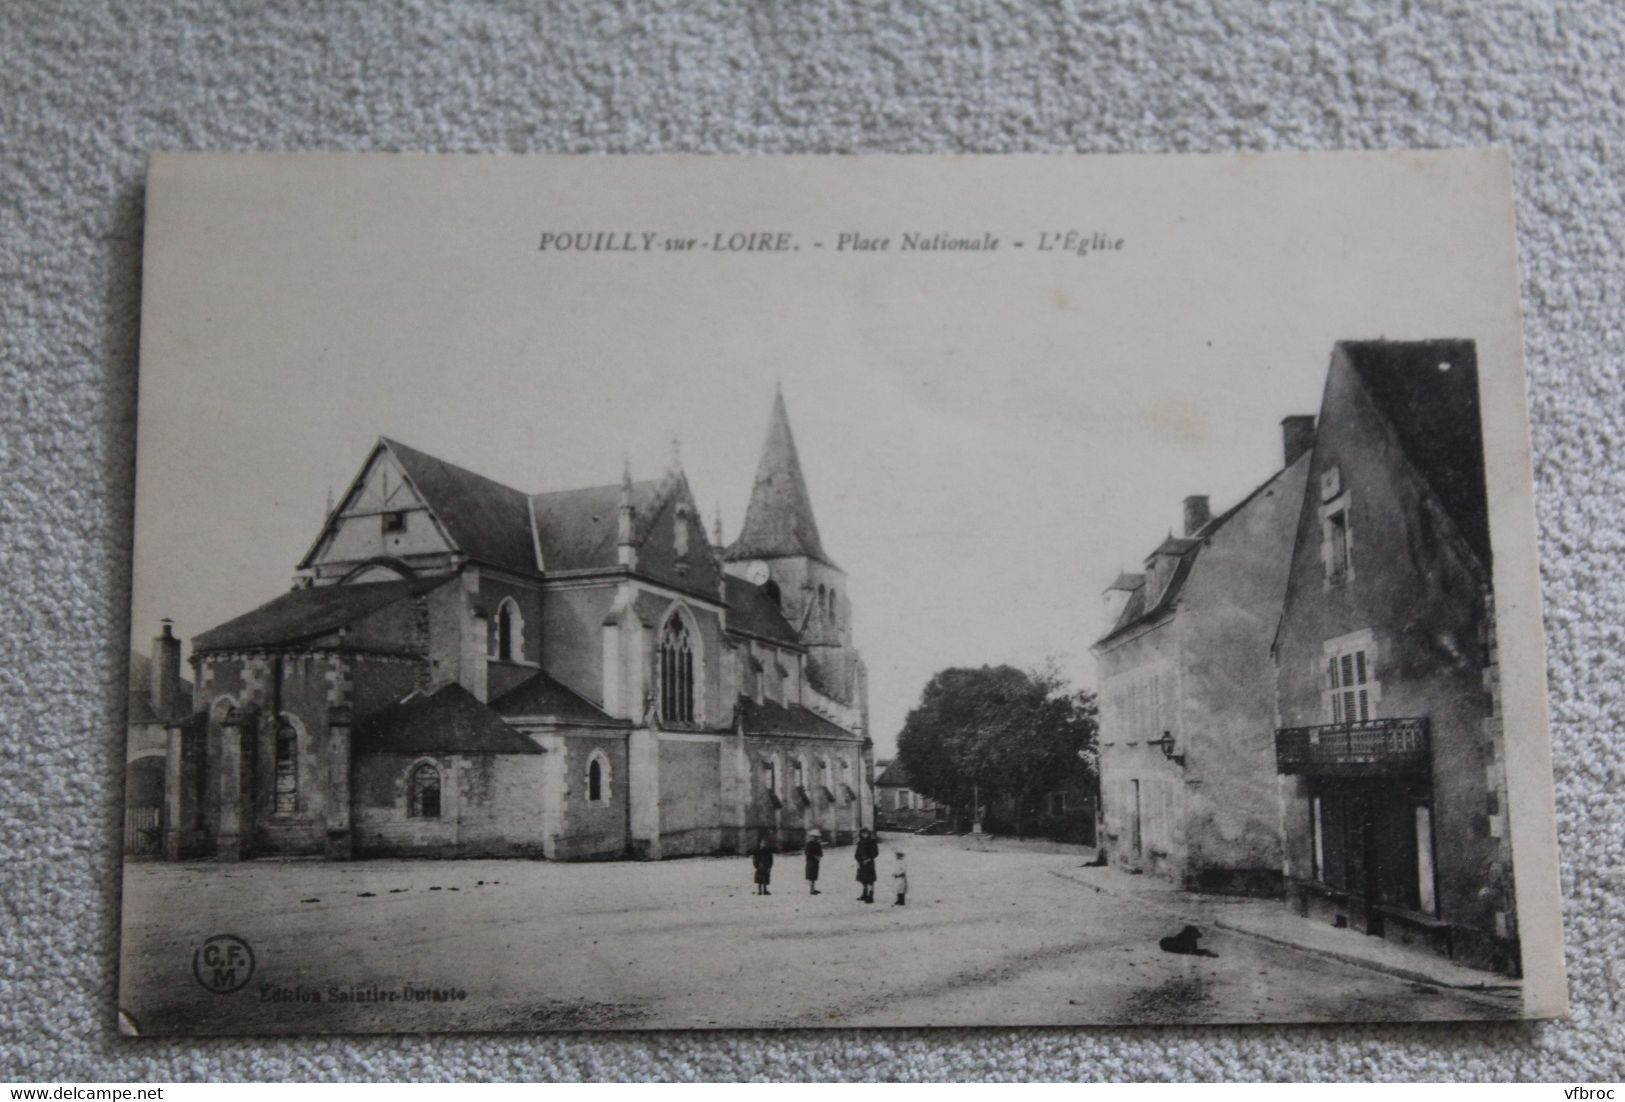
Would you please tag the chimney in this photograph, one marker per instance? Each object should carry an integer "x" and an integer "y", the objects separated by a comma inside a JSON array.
[
  {"x": 1197, "y": 513},
  {"x": 1297, "y": 436},
  {"x": 166, "y": 673}
]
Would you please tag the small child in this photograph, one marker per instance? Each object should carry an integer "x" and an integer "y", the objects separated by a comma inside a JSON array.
[{"x": 899, "y": 879}]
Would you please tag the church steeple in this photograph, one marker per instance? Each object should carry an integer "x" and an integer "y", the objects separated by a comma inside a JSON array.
[{"x": 779, "y": 521}]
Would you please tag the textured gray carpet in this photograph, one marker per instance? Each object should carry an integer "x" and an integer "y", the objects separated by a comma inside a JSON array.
[{"x": 87, "y": 89}]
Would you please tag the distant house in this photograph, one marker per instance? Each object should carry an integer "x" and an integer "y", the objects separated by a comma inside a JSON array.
[
  {"x": 897, "y": 805},
  {"x": 1390, "y": 743},
  {"x": 1187, "y": 691},
  {"x": 158, "y": 697}
]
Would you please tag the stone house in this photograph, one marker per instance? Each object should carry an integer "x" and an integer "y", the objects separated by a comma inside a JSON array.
[
  {"x": 1389, "y": 741},
  {"x": 1186, "y": 689},
  {"x": 464, "y": 668},
  {"x": 897, "y": 805}
]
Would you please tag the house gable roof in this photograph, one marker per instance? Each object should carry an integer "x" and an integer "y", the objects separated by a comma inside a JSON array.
[
  {"x": 1434, "y": 411},
  {"x": 447, "y": 721},
  {"x": 893, "y": 776},
  {"x": 1135, "y": 611},
  {"x": 303, "y": 615}
]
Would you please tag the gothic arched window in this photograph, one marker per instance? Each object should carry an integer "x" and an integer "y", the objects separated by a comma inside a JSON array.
[
  {"x": 425, "y": 792},
  {"x": 510, "y": 631},
  {"x": 286, "y": 800},
  {"x": 597, "y": 777},
  {"x": 676, "y": 673}
]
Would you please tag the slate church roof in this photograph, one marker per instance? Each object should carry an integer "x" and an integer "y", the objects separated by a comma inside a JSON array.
[
  {"x": 752, "y": 611},
  {"x": 447, "y": 721},
  {"x": 542, "y": 696},
  {"x": 577, "y": 529},
  {"x": 305, "y": 615},
  {"x": 485, "y": 519},
  {"x": 768, "y": 718},
  {"x": 779, "y": 520}
]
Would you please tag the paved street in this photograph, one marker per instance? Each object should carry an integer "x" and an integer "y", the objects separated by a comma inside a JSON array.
[{"x": 991, "y": 935}]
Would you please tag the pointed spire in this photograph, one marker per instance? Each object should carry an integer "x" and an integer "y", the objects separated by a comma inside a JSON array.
[
  {"x": 676, "y": 452},
  {"x": 626, "y": 552},
  {"x": 779, "y": 520},
  {"x": 716, "y": 528}
]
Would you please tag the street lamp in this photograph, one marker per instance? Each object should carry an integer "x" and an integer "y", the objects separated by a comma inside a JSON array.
[{"x": 1166, "y": 745}]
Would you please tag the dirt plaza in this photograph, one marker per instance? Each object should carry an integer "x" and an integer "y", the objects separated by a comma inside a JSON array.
[{"x": 991, "y": 934}]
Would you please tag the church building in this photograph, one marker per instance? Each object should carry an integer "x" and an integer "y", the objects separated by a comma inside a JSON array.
[{"x": 467, "y": 669}]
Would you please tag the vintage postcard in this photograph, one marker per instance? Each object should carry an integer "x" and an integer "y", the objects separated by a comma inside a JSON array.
[{"x": 707, "y": 592}]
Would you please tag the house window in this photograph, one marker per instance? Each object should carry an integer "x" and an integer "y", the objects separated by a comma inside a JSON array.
[
  {"x": 597, "y": 777},
  {"x": 424, "y": 792},
  {"x": 1350, "y": 686},
  {"x": 286, "y": 798},
  {"x": 394, "y": 522},
  {"x": 823, "y": 776},
  {"x": 676, "y": 673},
  {"x": 1337, "y": 546}
]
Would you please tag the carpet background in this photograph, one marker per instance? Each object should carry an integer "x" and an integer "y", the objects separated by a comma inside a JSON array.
[{"x": 86, "y": 89}]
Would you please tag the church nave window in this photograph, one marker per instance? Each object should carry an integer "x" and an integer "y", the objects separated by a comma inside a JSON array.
[
  {"x": 597, "y": 777},
  {"x": 510, "y": 633},
  {"x": 676, "y": 673},
  {"x": 425, "y": 792}
]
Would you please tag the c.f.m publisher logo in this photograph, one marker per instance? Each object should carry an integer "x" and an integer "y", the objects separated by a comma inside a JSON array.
[{"x": 223, "y": 964}]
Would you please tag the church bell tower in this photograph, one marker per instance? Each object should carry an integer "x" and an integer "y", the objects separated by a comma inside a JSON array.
[{"x": 779, "y": 549}]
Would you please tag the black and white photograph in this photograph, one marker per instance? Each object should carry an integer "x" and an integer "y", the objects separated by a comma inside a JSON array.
[{"x": 802, "y": 592}]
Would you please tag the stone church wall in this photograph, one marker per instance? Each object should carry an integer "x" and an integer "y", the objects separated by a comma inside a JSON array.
[
  {"x": 488, "y": 807},
  {"x": 690, "y": 797},
  {"x": 591, "y": 829}
]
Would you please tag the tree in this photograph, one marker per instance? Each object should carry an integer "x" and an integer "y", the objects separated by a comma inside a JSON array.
[{"x": 998, "y": 731}]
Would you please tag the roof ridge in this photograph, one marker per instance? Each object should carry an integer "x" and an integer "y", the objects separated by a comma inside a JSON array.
[{"x": 394, "y": 444}]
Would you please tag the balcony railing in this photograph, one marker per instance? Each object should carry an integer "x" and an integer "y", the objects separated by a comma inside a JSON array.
[{"x": 1378, "y": 747}]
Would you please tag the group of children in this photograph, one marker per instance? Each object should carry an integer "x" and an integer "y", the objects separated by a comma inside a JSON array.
[{"x": 866, "y": 853}]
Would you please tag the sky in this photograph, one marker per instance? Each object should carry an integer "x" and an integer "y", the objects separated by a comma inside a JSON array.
[{"x": 988, "y": 437}]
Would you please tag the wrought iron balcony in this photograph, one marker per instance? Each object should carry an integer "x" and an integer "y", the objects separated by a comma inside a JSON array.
[{"x": 1378, "y": 747}]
